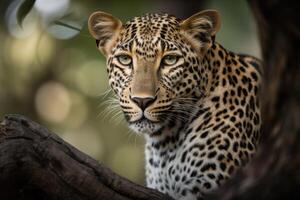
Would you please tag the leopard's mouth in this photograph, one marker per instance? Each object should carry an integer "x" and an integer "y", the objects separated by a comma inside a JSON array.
[
  {"x": 144, "y": 119},
  {"x": 145, "y": 126}
]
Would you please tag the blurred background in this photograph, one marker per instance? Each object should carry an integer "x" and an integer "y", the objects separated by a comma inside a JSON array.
[{"x": 51, "y": 71}]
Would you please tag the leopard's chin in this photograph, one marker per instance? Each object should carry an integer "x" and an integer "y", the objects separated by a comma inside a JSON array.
[{"x": 145, "y": 126}]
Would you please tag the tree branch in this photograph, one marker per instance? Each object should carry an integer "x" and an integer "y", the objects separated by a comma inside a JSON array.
[{"x": 37, "y": 164}]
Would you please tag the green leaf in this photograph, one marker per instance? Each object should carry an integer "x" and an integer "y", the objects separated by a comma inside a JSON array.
[{"x": 23, "y": 10}]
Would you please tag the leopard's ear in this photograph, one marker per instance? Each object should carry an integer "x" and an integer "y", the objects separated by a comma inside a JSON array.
[
  {"x": 201, "y": 28},
  {"x": 105, "y": 28}
]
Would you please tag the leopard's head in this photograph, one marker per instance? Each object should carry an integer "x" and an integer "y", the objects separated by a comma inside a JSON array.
[{"x": 155, "y": 63}]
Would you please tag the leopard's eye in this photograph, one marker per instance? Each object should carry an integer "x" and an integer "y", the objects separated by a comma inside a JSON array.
[
  {"x": 124, "y": 59},
  {"x": 170, "y": 60}
]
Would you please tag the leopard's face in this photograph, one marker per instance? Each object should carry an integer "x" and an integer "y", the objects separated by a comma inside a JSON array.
[
  {"x": 148, "y": 71},
  {"x": 153, "y": 65}
]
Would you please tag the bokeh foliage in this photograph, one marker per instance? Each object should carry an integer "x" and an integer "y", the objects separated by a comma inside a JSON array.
[{"x": 55, "y": 75}]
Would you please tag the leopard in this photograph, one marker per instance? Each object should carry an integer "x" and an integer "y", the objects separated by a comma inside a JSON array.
[{"x": 196, "y": 103}]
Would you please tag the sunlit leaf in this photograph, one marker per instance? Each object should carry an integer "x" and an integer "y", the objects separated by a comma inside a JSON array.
[{"x": 23, "y": 10}]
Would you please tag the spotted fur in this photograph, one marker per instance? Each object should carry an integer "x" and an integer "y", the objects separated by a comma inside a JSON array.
[{"x": 201, "y": 115}]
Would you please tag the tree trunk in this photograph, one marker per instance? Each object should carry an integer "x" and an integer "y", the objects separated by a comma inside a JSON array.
[{"x": 36, "y": 164}]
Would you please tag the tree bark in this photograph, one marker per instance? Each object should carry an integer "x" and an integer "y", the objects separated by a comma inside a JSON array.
[{"x": 37, "y": 164}]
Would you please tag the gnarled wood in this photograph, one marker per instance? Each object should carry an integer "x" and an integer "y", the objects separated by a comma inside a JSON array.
[{"x": 37, "y": 164}]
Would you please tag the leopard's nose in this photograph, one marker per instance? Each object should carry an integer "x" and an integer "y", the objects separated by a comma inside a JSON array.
[{"x": 143, "y": 102}]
